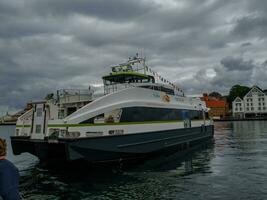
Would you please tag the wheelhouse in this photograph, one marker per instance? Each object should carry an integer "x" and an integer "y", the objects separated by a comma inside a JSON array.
[
  {"x": 126, "y": 75},
  {"x": 133, "y": 73}
]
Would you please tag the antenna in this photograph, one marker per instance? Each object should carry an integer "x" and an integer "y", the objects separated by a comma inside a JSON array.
[{"x": 144, "y": 53}]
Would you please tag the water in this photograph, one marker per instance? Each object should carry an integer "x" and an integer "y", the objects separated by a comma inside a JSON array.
[{"x": 235, "y": 167}]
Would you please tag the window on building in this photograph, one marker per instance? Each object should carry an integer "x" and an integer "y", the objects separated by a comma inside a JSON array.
[
  {"x": 240, "y": 109},
  {"x": 251, "y": 104},
  {"x": 38, "y": 128},
  {"x": 247, "y": 104},
  {"x": 236, "y": 109},
  {"x": 247, "y": 109},
  {"x": 259, "y": 104},
  {"x": 259, "y": 108},
  {"x": 252, "y": 108},
  {"x": 264, "y": 108}
]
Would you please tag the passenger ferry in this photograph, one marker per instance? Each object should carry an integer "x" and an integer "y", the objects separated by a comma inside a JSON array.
[{"x": 135, "y": 116}]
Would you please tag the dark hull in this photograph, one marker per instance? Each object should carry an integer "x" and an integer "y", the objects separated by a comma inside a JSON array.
[
  {"x": 44, "y": 150},
  {"x": 115, "y": 147}
]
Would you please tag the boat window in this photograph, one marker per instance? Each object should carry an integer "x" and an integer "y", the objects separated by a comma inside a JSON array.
[
  {"x": 146, "y": 86},
  {"x": 207, "y": 115},
  {"x": 88, "y": 121},
  {"x": 167, "y": 90},
  {"x": 71, "y": 110},
  {"x": 61, "y": 114},
  {"x": 99, "y": 119},
  {"x": 108, "y": 117},
  {"x": 39, "y": 112},
  {"x": 196, "y": 114},
  {"x": 159, "y": 88},
  {"x": 95, "y": 120},
  {"x": 38, "y": 128},
  {"x": 141, "y": 114},
  {"x": 113, "y": 116}
]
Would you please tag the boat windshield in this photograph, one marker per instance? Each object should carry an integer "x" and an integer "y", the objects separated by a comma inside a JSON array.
[{"x": 127, "y": 77}]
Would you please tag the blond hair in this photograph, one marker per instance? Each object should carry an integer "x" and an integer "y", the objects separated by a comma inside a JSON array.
[{"x": 3, "y": 147}]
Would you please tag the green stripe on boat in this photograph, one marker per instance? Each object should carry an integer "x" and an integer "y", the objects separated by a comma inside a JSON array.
[{"x": 113, "y": 124}]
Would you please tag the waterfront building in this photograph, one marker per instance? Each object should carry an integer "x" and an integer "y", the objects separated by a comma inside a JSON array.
[
  {"x": 253, "y": 104},
  {"x": 218, "y": 107}
]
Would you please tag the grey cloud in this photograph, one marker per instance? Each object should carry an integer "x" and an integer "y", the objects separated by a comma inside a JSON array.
[
  {"x": 238, "y": 64},
  {"x": 117, "y": 10},
  {"x": 47, "y": 45},
  {"x": 231, "y": 71},
  {"x": 248, "y": 26},
  {"x": 258, "y": 6},
  {"x": 246, "y": 44}
]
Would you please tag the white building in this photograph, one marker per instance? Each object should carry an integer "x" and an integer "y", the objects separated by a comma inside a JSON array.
[{"x": 253, "y": 104}]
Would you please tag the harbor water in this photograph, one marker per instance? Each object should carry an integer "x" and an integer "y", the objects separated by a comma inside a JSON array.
[{"x": 234, "y": 167}]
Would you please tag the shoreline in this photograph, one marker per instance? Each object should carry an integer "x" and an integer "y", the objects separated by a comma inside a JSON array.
[
  {"x": 243, "y": 119},
  {"x": 8, "y": 124}
]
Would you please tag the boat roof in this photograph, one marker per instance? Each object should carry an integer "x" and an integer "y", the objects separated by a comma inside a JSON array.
[{"x": 39, "y": 102}]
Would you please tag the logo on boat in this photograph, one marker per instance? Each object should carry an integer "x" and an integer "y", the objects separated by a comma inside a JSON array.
[{"x": 166, "y": 98}]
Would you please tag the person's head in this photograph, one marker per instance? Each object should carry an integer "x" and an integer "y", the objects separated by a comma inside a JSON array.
[{"x": 3, "y": 148}]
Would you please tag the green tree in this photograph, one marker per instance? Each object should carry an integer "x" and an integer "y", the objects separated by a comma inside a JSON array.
[
  {"x": 215, "y": 94},
  {"x": 237, "y": 91}
]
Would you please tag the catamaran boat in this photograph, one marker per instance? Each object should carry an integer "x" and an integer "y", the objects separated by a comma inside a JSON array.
[{"x": 136, "y": 115}]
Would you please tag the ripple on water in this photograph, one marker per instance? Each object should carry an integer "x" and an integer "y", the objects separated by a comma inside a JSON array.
[{"x": 233, "y": 168}]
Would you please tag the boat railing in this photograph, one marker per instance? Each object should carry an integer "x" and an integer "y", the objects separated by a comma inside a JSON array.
[
  {"x": 74, "y": 95},
  {"x": 27, "y": 115},
  {"x": 116, "y": 87}
]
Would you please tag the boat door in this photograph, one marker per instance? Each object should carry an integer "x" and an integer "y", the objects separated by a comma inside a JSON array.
[{"x": 39, "y": 121}]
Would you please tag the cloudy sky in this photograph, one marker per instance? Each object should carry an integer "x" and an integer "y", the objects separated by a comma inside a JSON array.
[{"x": 202, "y": 45}]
